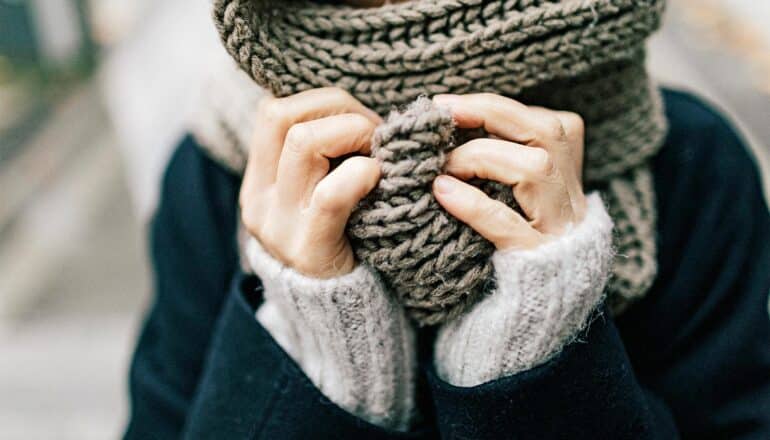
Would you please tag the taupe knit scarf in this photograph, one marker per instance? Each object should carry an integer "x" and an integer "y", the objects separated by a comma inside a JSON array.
[{"x": 585, "y": 56}]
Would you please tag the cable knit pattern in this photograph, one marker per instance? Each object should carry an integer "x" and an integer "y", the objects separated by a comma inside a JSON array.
[
  {"x": 544, "y": 298},
  {"x": 347, "y": 334}
]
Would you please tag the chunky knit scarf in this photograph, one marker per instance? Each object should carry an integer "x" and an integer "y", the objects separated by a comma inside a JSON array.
[{"x": 585, "y": 56}]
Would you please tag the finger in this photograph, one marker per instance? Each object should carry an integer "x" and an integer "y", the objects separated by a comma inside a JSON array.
[
  {"x": 498, "y": 160},
  {"x": 567, "y": 155},
  {"x": 574, "y": 129},
  {"x": 336, "y": 195},
  {"x": 495, "y": 221},
  {"x": 308, "y": 145},
  {"x": 538, "y": 185},
  {"x": 276, "y": 115},
  {"x": 503, "y": 117}
]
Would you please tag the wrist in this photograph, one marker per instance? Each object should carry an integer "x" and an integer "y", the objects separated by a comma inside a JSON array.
[
  {"x": 544, "y": 297},
  {"x": 324, "y": 268},
  {"x": 313, "y": 263},
  {"x": 349, "y": 335}
]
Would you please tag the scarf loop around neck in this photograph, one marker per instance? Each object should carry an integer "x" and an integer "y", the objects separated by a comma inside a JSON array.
[{"x": 584, "y": 56}]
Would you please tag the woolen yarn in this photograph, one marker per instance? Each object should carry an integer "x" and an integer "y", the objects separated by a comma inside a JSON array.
[{"x": 585, "y": 56}]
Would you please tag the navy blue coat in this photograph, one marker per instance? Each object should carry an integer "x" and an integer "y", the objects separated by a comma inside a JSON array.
[{"x": 691, "y": 360}]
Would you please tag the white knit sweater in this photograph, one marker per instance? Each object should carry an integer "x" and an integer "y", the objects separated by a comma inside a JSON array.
[
  {"x": 350, "y": 338},
  {"x": 354, "y": 342}
]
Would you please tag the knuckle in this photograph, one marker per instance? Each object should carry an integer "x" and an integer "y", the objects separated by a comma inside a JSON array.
[
  {"x": 553, "y": 128},
  {"x": 358, "y": 125},
  {"x": 471, "y": 154},
  {"x": 360, "y": 122},
  {"x": 541, "y": 162},
  {"x": 298, "y": 137},
  {"x": 574, "y": 123}
]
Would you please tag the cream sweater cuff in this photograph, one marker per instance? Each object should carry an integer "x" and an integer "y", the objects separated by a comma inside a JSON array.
[
  {"x": 349, "y": 336},
  {"x": 544, "y": 298}
]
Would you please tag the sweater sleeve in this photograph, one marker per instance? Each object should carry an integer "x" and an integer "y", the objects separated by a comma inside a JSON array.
[
  {"x": 539, "y": 358},
  {"x": 349, "y": 336},
  {"x": 544, "y": 297},
  {"x": 203, "y": 366}
]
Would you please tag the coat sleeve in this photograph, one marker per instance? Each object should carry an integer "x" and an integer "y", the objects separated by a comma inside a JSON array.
[
  {"x": 701, "y": 341},
  {"x": 692, "y": 359},
  {"x": 204, "y": 367},
  {"x": 589, "y": 390},
  {"x": 192, "y": 247},
  {"x": 251, "y": 388}
]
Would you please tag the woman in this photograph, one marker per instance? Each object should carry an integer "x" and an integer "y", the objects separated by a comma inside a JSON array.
[{"x": 609, "y": 284}]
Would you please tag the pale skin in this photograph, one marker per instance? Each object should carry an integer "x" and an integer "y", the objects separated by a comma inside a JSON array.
[{"x": 297, "y": 208}]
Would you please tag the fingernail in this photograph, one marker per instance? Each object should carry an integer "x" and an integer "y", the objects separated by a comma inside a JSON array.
[{"x": 444, "y": 185}]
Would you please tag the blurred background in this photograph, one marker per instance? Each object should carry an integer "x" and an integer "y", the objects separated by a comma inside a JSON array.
[{"x": 94, "y": 94}]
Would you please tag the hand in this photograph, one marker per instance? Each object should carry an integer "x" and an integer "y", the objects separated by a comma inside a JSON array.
[
  {"x": 289, "y": 200},
  {"x": 539, "y": 152}
]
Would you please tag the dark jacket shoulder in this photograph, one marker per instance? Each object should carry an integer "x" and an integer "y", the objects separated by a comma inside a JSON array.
[
  {"x": 192, "y": 246},
  {"x": 710, "y": 201},
  {"x": 703, "y": 157},
  {"x": 693, "y": 351},
  {"x": 699, "y": 339}
]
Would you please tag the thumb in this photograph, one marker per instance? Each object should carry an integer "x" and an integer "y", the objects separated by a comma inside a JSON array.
[{"x": 337, "y": 194}]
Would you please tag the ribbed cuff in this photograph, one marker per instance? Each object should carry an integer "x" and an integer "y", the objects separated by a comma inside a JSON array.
[
  {"x": 349, "y": 335},
  {"x": 544, "y": 298}
]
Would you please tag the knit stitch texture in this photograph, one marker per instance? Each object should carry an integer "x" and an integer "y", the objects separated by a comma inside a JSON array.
[
  {"x": 348, "y": 335},
  {"x": 545, "y": 297},
  {"x": 437, "y": 264},
  {"x": 585, "y": 56}
]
